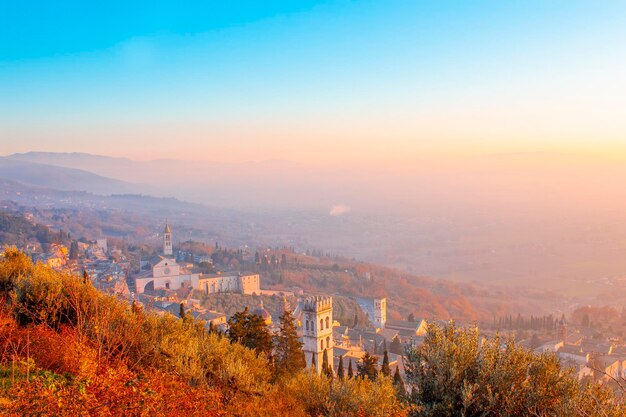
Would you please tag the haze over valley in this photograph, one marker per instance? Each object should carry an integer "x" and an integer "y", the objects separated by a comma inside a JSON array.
[{"x": 536, "y": 220}]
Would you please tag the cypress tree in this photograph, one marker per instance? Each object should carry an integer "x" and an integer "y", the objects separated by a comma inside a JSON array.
[
  {"x": 340, "y": 368},
  {"x": 86, "y": 279},
  {"x": 398, "y": 383},
  {"x": 385, "y": 369},
  {"x": 289, "y": 355},
  {"x": 74, "y": 250},
  {"x": 326, "y": 368},
  {"x": 350, "y": 372},
  {"x": 181, "y": 312}
]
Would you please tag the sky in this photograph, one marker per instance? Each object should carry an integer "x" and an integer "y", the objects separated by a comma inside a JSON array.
[{"x": 313, "y": 81}]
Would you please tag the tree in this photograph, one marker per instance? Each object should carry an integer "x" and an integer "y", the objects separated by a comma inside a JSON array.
[
  {"x": 396, "y": 346},
  {"x": 289, "y": 357},
  {"x": 181, "y": 311},
  {"x": 411, "y": 317},
  {"x": 213, "y": 329},
  {"x": 326, "y": 367},
  {"x": 350, "y": 397},
  {"x": 340, "y": 370},
  {"x": 399, "y": 383},
  {"x": 313, "y": 361},
  {"x": 367, "y": 368},
  {"x": 251, "y": 331},
  {"x": 13, "y": 265},
  {"x": 385, "y": 369},
  {"x": 350, "y": 371},
  {"x": 534, "y": 341},
  {"x": 86, "y": 279},
  {"x": 455, "y": 373},
  {"x": 74, "y": 250}
]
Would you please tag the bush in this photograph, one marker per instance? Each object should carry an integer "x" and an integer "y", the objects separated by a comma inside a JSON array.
[
  {"x": 455, "y": 372},
  {"x": 350, "y": 397}
]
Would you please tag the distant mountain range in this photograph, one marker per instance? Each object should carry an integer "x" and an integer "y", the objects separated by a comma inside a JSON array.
[
  {"x": 61, "y": 178},
  {"x": 273, "y": 183}
]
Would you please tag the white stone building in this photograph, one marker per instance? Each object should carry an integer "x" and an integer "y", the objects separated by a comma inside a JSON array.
[
  {"x": 167, "y": 274},
  {"x": 317, "y": 330},
  {"x": 240, "y": 283}
]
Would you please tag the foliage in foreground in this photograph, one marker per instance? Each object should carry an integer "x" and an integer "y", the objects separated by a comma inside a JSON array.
[
  {"x": 68, "y": 350},
  {"x": 457, "y": 373}
]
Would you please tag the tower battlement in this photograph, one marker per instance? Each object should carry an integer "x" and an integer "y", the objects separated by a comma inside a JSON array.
[{"x": 317, "y": 303}]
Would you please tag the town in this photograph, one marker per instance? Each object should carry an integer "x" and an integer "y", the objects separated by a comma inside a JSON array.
[{"x": 213, "y": 288}]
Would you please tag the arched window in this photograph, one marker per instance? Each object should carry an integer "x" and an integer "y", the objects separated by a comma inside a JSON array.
[
  {"x": 321, "y": 324},
  {"x": 322, "y": 344},
  {"x": 328, "y": 342},
  {"x": 307, "y": 325},
  {"x": 327, "y": 321}
]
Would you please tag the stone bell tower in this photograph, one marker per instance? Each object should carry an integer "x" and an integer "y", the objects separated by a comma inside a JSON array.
[
  {"x": 317, "y": 330},
  {"x": 167, "y": 241}
]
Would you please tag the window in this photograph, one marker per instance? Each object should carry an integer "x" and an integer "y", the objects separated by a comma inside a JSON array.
[
  {"x": 328, "y": 342},
  {"x": 307, "y": 325},
  {"x": 321, "y": 324},
  {"x": 322, "y": 344},
  {"x": 327, "y": 321}
]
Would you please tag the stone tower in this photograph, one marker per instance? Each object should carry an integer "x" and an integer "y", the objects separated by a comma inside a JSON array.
[
  {"x": 317, "y": 330},
  {"x": 167, "y": 241}
]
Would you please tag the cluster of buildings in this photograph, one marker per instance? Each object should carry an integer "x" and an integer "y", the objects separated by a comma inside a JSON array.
[
  {"x": 107, "y": 270},
  {"x": 591, "y": 357},
  {"x": 318, "y": 330},
  {"x": 167, "y": 274},
  {"x": 167, "y": 282}
]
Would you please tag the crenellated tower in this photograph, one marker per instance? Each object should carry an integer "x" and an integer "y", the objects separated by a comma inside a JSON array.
[{"x": 317, "y": 329}]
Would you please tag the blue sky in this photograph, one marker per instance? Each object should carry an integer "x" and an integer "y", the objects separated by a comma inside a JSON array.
[{"x": 266, "y": 79}]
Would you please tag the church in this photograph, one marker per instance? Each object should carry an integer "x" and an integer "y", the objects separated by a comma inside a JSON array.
[{"x": 167, "y": 274}]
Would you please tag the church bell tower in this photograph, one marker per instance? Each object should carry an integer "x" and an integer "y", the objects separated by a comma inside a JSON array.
[
  {"x": 317, "y": 330},
  {"x": 167, "y": 241}
]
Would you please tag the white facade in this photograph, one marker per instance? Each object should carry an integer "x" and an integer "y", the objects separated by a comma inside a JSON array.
[
  {"x": 317, "y": 330},
  {"x": 167, "y": 275},
  {"x": 244, "y": 284}
]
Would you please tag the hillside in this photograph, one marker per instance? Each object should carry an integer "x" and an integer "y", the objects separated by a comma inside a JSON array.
[
  {"x": 16, "y": 230},
  {"x": 66, "y": 349},
  {"x": 61, "y": 178}
]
